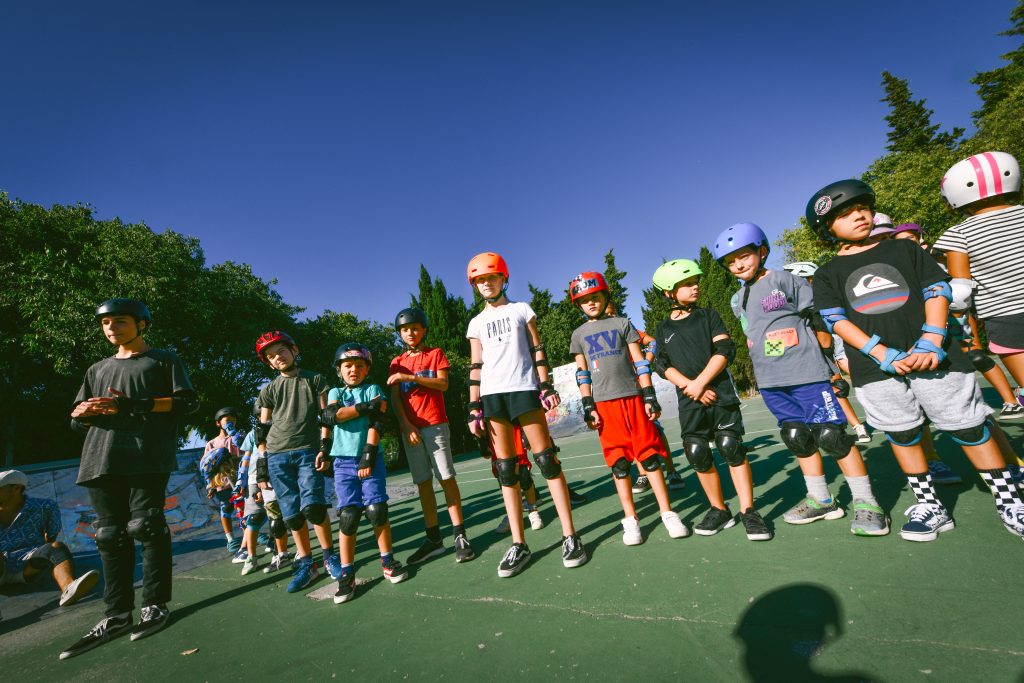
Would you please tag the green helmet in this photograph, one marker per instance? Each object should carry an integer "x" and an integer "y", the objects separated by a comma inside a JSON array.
[{"x": 671, "y": 273}]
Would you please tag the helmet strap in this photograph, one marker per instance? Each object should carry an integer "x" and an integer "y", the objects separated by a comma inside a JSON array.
[{"x": 495, "y": 299}]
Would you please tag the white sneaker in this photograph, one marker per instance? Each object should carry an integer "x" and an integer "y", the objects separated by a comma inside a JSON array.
[
  {"x": 631, "y": 531},
  {"x": 676, "y": 527},
  {"x": 249, "y": 566},
  {"x": 277, "y": 562},
  {"x": 79, "y": 588},
  {"x": 536, "y": 521},
  {"x": 503, "y": 526},
  {"x": 1013, "y": 519},
  {"x": 862, "y": 433}
]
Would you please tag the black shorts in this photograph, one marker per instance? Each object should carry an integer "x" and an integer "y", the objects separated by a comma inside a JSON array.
[
  {"x": 1006, "y": 330},
  {"x": 511, "y": 404},
  {"x": 696, "y": 419}
]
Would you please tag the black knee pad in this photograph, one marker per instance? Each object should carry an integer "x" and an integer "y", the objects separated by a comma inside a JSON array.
[
  {"x": 507, "y": 474},
  {"x": 833, "y": 440},
  {"x": 525, "y": 478},
  {"x": 697, "y": 452},
  {"x": 972, "y": 436},
  {"x": 46, "y": 557},
  {"x": 256, "y": 520},
  {"x": 731, "y": 447},
  {"x": 111, "y": 538},
  {"x": 377, "y": 514},
  {"x": 278, "y": 529},
  {"x": 548, "y": 463},
  {"x": 652, "y": 463},
  {"x": 348, "y": 519},
  {"x": 148, "y": 526},
  {"x": 980, "y": 359},
  {"x": 909, "y": 437},
  {"x": 799, "y": 439},
  {"x": 315, "y": 513},
  {"x": 620, "y": 469},
  {"x": 295, "y": 522}
]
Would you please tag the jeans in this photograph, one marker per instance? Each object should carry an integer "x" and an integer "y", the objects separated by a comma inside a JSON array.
[{"x": 296, "y": 481}]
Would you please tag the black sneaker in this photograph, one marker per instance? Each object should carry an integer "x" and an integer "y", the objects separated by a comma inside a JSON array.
[
  {"x": 426, "y": 551},
  {"x": 154, "y": 618},
  {"x": 514, "y": 561},
  {"x": 103, "y": 632},
  {"x": 757, "y": 530},
  {"x": 573, "y": 552},
  {"x": 576, "y": 498},
  {"x": 641, "y": 484},
  {"x": 463, "y": 550},
  {"x": 346, "y": 588},
  {"x": 714, "y": 521}
]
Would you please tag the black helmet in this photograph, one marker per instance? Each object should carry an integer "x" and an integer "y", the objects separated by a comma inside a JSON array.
[
  {"x": 828, "y": 202},
  {"x": 352, "y": 351},
  {"x": 132, "y": 307},
  {"x": 407, "y": 316},
  {"x": 224, "y": 412}
]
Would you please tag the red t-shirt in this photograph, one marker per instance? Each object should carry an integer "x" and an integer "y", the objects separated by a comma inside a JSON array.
[{"x": 424, "y": 407}]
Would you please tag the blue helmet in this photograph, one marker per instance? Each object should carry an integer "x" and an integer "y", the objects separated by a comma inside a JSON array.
[{"x": 739, "y": 236}]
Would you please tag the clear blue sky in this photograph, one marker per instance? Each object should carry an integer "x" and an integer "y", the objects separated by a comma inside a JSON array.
[{"x": 347, "y": 142}]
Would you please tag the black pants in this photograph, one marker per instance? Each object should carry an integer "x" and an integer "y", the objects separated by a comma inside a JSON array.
[{"x": 117, "y": 500}]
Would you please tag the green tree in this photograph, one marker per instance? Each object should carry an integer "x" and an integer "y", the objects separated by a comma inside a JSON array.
[
  {"x": 717, "y": 287},
  {"x": 910, "y": 122},
  {"x": 613, "y": 276},
  {"x": 1000, "y": 84}
]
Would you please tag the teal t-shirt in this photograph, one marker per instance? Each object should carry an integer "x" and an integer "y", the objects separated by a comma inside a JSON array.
[{"x": 350, "y": 437}]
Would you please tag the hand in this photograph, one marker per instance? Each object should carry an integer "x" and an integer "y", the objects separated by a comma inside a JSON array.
[
  {"x": 93, "y": 407},
  {"x": 709, "y": 397},
  {"x": 652, "y": 414},
  {"x": 595, "y": 420},
  {"x": 921, "y": 361},
  {"x": 263, "y": 485},
  {"x": 258, "y": 497},
  {"x": 321, "y": 463},
  {"x": 413, "y": 437},
  {"x": 364, "y": 472},
  {"x": 694, "y": 390},
  {"x": 549, "y": 398},
  {"x": 476, "y": 424},
  {"x": 400, "y": 377}
]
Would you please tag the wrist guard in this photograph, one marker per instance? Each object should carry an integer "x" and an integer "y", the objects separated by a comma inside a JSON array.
[
  {"x": 589, "y": 407},
  {"x": 651, "y": 398},
  {"x": 325, "y": 444},
  {"x": 262, "y": 430},
  {"x": 367, "y": 457},
  {"x": 841, "y": 387},
  {"x": 133, "y": 406}
]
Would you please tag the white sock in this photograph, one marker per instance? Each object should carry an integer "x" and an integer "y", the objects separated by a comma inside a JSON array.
[
  {"x": 818, "y": 489},
  {"x": 860, "y": 487}
]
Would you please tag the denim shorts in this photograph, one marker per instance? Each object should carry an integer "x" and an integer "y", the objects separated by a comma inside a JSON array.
[
  {"x": 295, "y": 480},
  {"x": 351, "y": 490}
]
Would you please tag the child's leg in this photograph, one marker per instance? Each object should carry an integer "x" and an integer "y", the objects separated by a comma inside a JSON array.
[
  {"x": 998, "y": 380},
  {"x": 348, "y": 523},
  {"x": 535, "y": 427},
  {"x": 453, "y": 500},
  {"x": 624, "y": 489},
  {"x": 501, "y": 432},
  {"x": 1009, "y": 454},
  {"x": 428, "y": 503},
  {"x": 851, "y": 414},
  {"x": 383, "y": 535},
  {"x": 1014, "y": 364},
  {"x": 658, "y": 486}
]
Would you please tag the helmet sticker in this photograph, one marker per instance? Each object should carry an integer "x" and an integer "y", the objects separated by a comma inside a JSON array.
[{"x": 823, "y": 204}]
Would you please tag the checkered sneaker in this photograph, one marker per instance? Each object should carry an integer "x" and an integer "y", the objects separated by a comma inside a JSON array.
[{"x": 1013, "y": 519}]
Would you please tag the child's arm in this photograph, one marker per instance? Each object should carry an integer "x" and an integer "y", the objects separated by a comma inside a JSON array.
[
  {"x": 323, "y": 460},
  {"x": 368, "y": 458},
  {"x": 408, "y": 428},
  {"x": 583, "y": 380},
  {"x": 643, "y": 375},
  {"x": 475, "y": 405},
  {"x": 549, "y": 398},
  {"x": 928, "y": 353},
  {"x": 439, "y": 383},
  {"x": 723, "y": 352}
]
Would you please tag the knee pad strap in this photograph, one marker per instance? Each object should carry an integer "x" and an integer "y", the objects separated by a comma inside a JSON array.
[
  {"x": 908, "y": 437},
  {"x": 972, "y": 436}
]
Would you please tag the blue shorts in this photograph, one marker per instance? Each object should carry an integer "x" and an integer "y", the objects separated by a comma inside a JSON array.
[
  {"x": 295, "y": 480},
  {"x": 351, "y": 490},
  {"x": 15, "y": 560},
  {"x": 814, "y": 403}
]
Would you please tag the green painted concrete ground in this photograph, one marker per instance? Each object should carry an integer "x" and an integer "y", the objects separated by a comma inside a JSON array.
[{"x": 814, "y": 602}]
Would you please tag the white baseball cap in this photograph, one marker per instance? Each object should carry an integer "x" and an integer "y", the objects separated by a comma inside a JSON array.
[{"x": 13, "y": 478}]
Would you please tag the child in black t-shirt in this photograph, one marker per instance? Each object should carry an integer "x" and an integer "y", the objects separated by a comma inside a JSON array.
[
  {"x": 693, "y": 353},
  {"x": 890, "y": 300}
]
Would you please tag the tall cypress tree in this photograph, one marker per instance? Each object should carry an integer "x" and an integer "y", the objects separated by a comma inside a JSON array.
[
  {"x": 717, "y": 287},
  {"x": 910, "y": 121},
  {"x": 998, "y": 84},
  {"x": 613, "y": 276}
]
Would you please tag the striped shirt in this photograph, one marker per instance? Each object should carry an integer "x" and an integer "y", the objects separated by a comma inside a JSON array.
[{"x": 994, "y": 243}]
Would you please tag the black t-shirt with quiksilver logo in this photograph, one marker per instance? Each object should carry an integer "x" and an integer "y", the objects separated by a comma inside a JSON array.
[{"x": 880, "y": 289}]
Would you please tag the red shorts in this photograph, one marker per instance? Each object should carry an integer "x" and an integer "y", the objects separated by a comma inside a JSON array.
[{"x": 626, "y": 431}]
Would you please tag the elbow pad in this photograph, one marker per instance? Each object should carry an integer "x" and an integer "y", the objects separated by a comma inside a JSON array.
[
  {"x": 962, "y": 293},
  {"x": 329, "y": 415},
  {"x": 938, "y": 289},
  {"x": 831, "y": 316},
  {"x": 583, "y": 377},
  {"x": 262, "y": 431},
  {"x": 642, "y": 367},
  {"x": 724, "y": 347}
]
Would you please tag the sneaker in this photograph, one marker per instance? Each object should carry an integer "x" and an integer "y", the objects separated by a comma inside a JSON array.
[
  {"x": 332, "y": 564},
  {"x": 1016, "y": 474},
  {"x": 1011, "y": 411},
  {"x": 576, "y": 498},
  {"x": 631, "y": 531},
  {"x": 641, "y": 484},
  {"x": 868, "y": 519},
  {"x": 240, "y": 557},
  {"x": 234, "y": 545},
  {"x": 103, "y": 632},
  {"x": 676, "y": 527},
  {"x": 714, "y": 521},
  {"x": 395, "y": 572},
  {"x": 277, "y": 562},
  {"x": 346, "y": 588},
  {"x": 925, "y": 522},
  {"x": 503, "y": 526},
  {"x": 942, "y": 474},
  {"x": 249, "y": 567},
  {"x": 810, "y": 510},
  {"x": 861, "y": 431},
  {"x": 536, "y": 521},
  {"x": 675, "y": 482},
  {"x": 514, "y": 561},
  {"x": 573, "y": 552},
  {"x": 1013, "y": 519},
  {"x": 154, "y": 618},
  {"x": 754, "y": 524},
  {"x": 304, "y": 573},
  {"x": 463, "y": 550},
  {"x": 426, "y": 551},
  {"x": 79, "y": 588}
]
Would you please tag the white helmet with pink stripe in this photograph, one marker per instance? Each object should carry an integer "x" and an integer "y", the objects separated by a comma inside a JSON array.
[{"x": 979, "y": 177}]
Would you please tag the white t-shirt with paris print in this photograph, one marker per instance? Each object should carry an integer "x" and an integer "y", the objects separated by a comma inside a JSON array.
[{"x": 508, "y": 363}]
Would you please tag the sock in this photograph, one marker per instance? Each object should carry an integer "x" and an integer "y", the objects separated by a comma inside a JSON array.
[
  {"x": 1002, "y": 487},
  {"x": 434, "y": 534},
  {"x": 228, "y": 535},
  {"x": 458, "y": 530},
  {"x": 860, "y": 487},
  {"x": 347, "y": 569},
  {"x": 923, "y": 488},
  {"x": 818, "y": 489},
  {"x": 385, "y": 558}
]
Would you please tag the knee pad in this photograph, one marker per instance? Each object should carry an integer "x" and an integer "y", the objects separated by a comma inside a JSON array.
[
  {"x": 731, "y": 448},
  {"x": 150, "y": 525},
  {"x": 548, "y": 463},
  {"x": 278, "y": 529},
  {"x": 348, "y": 519},
  {"x": 46, "y": 557},
  {"x": 111, "y": 538},
  {"x": 525, "y": 478},
  {"x": 295, "y": 522},
  {"x": 652, "y": 463},
  {"x": 972, "y": 436},
  {"x": 255, "y": 520},
  {"x": 620, "y": 469},
  {"x": 799, "y": 439},
  {"x": 377, "y": 514},
  {"x": 909, "y": 437},
  {"x": 982, "y": 363},
  {"x": 315, "y": 513},
  {"x": 833, "y": 440},
  {"x": 507, "y": 475},
  {"x": 697, "y": 452}
]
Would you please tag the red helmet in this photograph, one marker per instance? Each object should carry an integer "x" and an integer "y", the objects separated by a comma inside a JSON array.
[
  {"x": 268, "y": 338},
  {"x": 586, "y": 283},
  {"x": 485, "y": 264}
]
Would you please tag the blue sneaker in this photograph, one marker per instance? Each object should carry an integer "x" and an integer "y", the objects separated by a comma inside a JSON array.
[
  {"x": 925, "y": 521},
  {"x": 332, "y": 564},
  {"x": 303, "y": 574}
]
